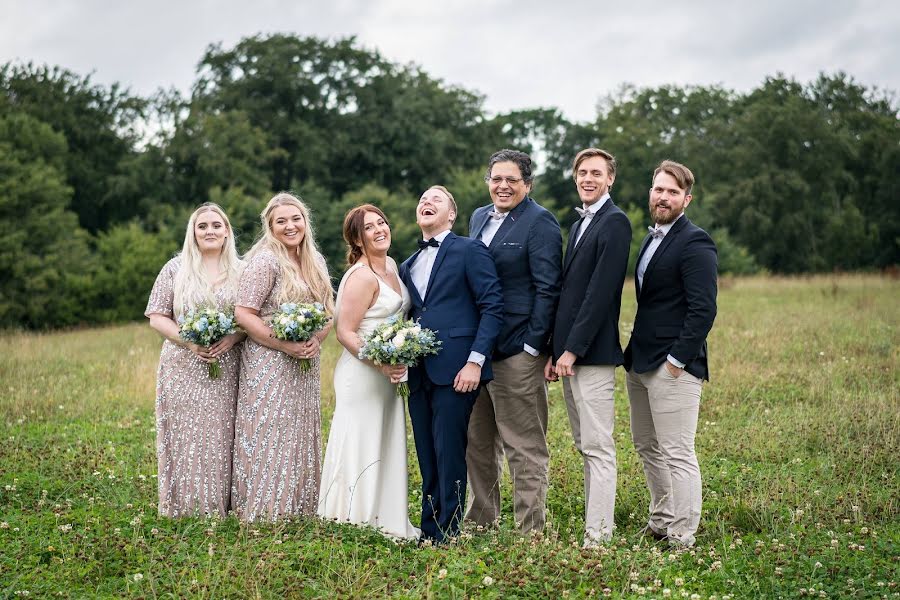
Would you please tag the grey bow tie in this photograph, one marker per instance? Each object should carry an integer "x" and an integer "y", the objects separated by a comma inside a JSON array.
[
  {"x": 657, "y": 234},
  {"x": 584, "y": 213},
  {"x": 496, "y": 216}
]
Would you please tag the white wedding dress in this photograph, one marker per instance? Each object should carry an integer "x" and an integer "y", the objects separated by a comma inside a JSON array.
[{"x": 364, "y": 477}]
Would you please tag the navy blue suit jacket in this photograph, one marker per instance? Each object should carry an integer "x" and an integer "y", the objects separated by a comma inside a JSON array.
[
  {"x": 676, "y": 306},
  {"x": 462, "y": 304},
  {"x": 527, "y": 251},
  {"x": 587, "y": 321}
]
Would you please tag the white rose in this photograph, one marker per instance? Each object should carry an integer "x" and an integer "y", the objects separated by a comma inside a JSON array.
[
  {"x": 285, "y": 320},
  {"x": 197, "y": 326},
  {"x": 416, "y": 330},
  {"x": 398, "y": 340}
]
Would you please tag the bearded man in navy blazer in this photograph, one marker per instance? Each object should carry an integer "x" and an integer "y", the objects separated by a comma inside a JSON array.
[
  {"x": 675, "y": 282},
  {"x": 586, "y": 347},
  {"x": 510, "y": 414},
  {"x": 455, "y": 292}
]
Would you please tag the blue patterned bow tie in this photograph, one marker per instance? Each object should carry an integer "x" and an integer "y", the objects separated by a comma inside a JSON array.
[
  {"x": 584, "y": 213},
  {"x": 657, "y": 234},
  {"x": 496, "y": 215},
  {"x": 426, "y": 243}
]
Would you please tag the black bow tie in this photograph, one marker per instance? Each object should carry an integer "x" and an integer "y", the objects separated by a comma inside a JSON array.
[{"x": 426, "y": 243}]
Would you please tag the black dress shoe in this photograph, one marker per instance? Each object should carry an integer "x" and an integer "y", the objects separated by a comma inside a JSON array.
[{"x": 649, "y": 531}]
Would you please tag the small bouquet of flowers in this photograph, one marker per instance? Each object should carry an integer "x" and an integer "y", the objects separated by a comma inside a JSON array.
[
  {"x": 297, "y": 323},
  {"x": 204, "y": 326},
  {"x": 399, "y": 341}
]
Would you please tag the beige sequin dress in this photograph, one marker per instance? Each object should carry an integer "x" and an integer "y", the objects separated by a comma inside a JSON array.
[
  {"x": 277, "y": 431},
  {"x": 194, "y": 416}
]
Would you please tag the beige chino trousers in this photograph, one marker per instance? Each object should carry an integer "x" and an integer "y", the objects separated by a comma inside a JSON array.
[
  {"x": 664, "y": 412},
  {"x": 589, "y": 402},
  {"x": 510, "y": 417}
]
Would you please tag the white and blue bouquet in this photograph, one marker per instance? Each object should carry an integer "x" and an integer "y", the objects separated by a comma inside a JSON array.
[
  {"x": 399, "y": 341},
  {"x": 297, "y": 323},
  {"x": 204, "y": 326}
]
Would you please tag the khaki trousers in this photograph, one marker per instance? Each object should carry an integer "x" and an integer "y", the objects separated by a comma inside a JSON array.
[
  {"x": 589, "y": 402},
  {"x": 510, "y": 417},
  {"x": 664, "y": 411}
]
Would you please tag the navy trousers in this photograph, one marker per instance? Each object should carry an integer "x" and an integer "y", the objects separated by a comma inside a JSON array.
[{"x": 440, "y": 421}]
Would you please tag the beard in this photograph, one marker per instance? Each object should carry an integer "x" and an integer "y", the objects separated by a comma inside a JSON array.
[{"x": 664, "y": 218}]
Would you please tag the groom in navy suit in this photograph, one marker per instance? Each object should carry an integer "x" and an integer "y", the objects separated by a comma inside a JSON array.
[{"x": 455, "y": 292}]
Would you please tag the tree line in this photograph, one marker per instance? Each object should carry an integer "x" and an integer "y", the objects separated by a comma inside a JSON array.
[{"x": 96, "y": 183}]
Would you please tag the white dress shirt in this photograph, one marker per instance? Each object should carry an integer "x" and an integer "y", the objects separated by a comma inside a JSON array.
[
  {"x": 492, "y": 226},
  {"x": 420, "y": 273},
  {"x": 591, "y": 211},
  {"x": 645, "y": 260}
]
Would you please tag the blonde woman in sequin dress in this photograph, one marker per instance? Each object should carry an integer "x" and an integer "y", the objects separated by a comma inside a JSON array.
[
  {"x": 194, "y": 413},
  {"x": 277, "y": 430},
  {"x": 364, "y": 480}
]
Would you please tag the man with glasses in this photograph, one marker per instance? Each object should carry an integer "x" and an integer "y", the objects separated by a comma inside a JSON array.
[
  {"x": 586, "y": 347},
  {"x": 510, "y": 414}
]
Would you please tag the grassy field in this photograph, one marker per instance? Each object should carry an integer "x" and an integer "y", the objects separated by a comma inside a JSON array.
[{"x": 798, "y": 440}]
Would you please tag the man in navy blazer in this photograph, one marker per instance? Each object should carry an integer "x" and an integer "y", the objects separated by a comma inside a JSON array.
[
  {"x": 510, "y": 414},
  {"x": 455, "y": 292},
  {"x": 675, "y": 282},
  {"x": 586, "y": 347}
]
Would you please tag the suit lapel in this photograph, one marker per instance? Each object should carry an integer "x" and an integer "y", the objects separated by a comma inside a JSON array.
[
  {"x": 406, "y": 276},
  {"x": 570, "y": 247},
  {"x": 480, "y": 220},
  {"x": 637, "y": 284},
  {"x": 441, "y": 254},
  {"x": 592, "y": 225},
  {"x": 666, "y": 241},
  {"x": 509, "y": 222}
]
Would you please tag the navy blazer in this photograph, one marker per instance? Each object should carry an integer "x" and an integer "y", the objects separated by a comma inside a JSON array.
[
  {"x": 463, "y": 305},
  {"x": 527, "y": 251},
  {"x": 676, "y": 306},
  {"x": 587, "y": 321}
]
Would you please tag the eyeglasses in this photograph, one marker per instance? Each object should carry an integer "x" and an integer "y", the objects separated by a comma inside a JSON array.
[{"x": 498, "y": 180}]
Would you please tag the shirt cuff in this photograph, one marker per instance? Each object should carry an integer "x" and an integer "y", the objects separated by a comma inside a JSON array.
[
  {"x": 530, "y": 350},
  {"x": 477, "y": 358},
  {"x": 675, "y": 361}
]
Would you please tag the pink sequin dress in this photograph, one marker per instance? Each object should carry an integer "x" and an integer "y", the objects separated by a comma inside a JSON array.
[
  {"x": 277, "y": 432},
  {"x": 194, "y": 416}
]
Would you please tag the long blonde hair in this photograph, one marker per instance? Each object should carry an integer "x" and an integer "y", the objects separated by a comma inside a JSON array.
[
  {"x": 312, "y": 269},
  {"x": 192, "y": 286}
]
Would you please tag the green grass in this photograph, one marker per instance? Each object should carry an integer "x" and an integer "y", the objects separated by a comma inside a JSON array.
[{"x": 798, "y": 441}]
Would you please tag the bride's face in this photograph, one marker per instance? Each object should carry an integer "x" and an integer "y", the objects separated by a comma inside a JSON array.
[{"x": 376, "y": 234}]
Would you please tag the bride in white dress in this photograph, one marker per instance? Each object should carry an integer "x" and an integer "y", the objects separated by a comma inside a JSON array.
[{"x": 364, "y": 476}]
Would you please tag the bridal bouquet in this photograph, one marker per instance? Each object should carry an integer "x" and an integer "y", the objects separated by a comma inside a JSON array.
[
  {"x": 297, "y": 323},
  {"x": 399, "y": 341},
  {"x": 204, "y": 326}
]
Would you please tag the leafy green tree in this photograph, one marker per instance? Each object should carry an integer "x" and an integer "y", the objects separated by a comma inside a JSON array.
[
  {"x": 44, "y": 254},
  {"x": 129, "y": 260},
  {"x": 100, "y": 128}
]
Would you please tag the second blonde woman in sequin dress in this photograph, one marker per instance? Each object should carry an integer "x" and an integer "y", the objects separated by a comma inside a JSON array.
[
  {"x": 364, "y": 480},
  {"x": 194, "y": 413},
  {"x": 277, "y": 429}
]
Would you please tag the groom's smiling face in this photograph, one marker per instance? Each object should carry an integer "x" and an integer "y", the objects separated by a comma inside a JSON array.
[{"x": 435, "y": 211}]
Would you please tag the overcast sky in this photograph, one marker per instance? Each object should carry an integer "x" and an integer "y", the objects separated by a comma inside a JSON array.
[{"x": 519, "y": 54}]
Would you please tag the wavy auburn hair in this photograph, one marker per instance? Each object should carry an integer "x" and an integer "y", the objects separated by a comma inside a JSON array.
[{"x": 354, "y": 231}]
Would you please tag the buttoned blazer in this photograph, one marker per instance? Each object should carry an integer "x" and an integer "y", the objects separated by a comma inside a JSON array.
[
  {"x": 676, "y": 306},
  {"x": 463, "y": 304},
  {"x": 527, "y": 251},
  {"x": 587, "y": 320}
]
